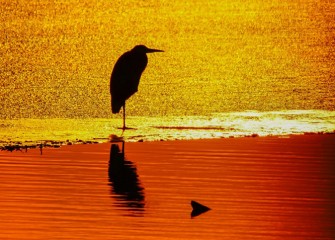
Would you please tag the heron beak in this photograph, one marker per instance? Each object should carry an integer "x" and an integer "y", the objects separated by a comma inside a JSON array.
[{"x": 151, "y": 50}]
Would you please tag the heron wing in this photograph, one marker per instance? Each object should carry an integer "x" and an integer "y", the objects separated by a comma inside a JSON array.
[{"x": 125, "y": 79}]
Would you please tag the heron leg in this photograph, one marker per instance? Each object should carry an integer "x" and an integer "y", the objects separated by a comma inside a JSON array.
[{"x": 124, "y": 117}]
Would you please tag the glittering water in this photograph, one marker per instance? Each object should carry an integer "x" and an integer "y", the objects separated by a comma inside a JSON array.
[
  {"x": 234, "y": 124},
  {"x": 229, "y": 68},
  {"x": 220, "y": 56}
]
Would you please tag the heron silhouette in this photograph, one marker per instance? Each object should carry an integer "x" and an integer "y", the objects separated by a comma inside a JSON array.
[{"x": 126, "y": 76}]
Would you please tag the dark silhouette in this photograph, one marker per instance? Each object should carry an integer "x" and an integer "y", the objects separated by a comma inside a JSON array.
[
  {"x": 123, "y": 178},
  {"x": 126, "y": 77},
  {"x": 198, "y": 209}
]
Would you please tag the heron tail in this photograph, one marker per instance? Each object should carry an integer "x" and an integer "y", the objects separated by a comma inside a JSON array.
[{"x": 116, "y": 106}]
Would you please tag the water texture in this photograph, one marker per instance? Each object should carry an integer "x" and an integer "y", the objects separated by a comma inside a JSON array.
[
  {"x": 220, "y": 125},
  {"x": 273, "y": 188},
  {"x": 220, "y": 56}
]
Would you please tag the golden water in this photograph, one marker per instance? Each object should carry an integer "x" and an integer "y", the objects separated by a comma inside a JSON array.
[
  {"x": 221, "y": 125},
  {"x": 57, "y": 56}
]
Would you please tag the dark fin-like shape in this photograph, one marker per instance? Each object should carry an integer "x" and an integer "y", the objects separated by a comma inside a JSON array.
[
  {"x": 198, "y": 209},
  {"x": 116, "y": 106}
]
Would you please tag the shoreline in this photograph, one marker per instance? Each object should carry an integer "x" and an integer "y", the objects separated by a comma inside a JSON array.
[
  {"x": 55, "y": 131},
  {"x": 48, "y": 144}
]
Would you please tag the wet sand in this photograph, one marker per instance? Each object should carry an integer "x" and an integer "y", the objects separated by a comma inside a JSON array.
[{"x": 257, "y": 188}]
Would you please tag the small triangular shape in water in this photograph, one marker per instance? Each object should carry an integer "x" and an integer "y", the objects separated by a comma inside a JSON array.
[{"x": 198, "y": 209}]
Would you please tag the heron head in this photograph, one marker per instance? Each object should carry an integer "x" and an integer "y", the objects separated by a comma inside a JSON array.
[{"x": 144, "y": 49}]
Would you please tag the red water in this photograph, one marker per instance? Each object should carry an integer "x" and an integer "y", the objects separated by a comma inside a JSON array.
[{"x": 272, "y": 188}]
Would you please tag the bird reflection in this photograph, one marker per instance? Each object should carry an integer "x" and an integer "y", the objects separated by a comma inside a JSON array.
[{"x": 126, "y": 186}]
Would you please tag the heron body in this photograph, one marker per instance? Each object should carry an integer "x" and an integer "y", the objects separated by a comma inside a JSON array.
[{"x": 126, "y": 76}]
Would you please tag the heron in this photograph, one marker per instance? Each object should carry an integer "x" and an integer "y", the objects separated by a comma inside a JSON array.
[{"x": 126, "y": 76}]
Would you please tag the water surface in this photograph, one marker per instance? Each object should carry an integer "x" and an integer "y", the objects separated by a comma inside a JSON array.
[
  {"x": 230, "y": 68},
  {"x": 220, "y": 56},
  {"x": 260, "y": 189},
  {"x": 219, "y": 125}
]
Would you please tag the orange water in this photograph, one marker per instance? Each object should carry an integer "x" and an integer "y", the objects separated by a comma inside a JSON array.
[{"x": 260, "y": 189}]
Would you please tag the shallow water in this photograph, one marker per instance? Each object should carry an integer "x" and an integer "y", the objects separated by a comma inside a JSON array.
[
  {"x": 255, "y": 191},
  {"x": 219, "y": 125}
]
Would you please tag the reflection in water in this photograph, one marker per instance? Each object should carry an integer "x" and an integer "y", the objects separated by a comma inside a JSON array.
[{"x": 126, "y": 186}]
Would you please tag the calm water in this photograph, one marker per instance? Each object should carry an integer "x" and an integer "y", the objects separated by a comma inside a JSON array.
[{"x": 255, "y": 191}]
